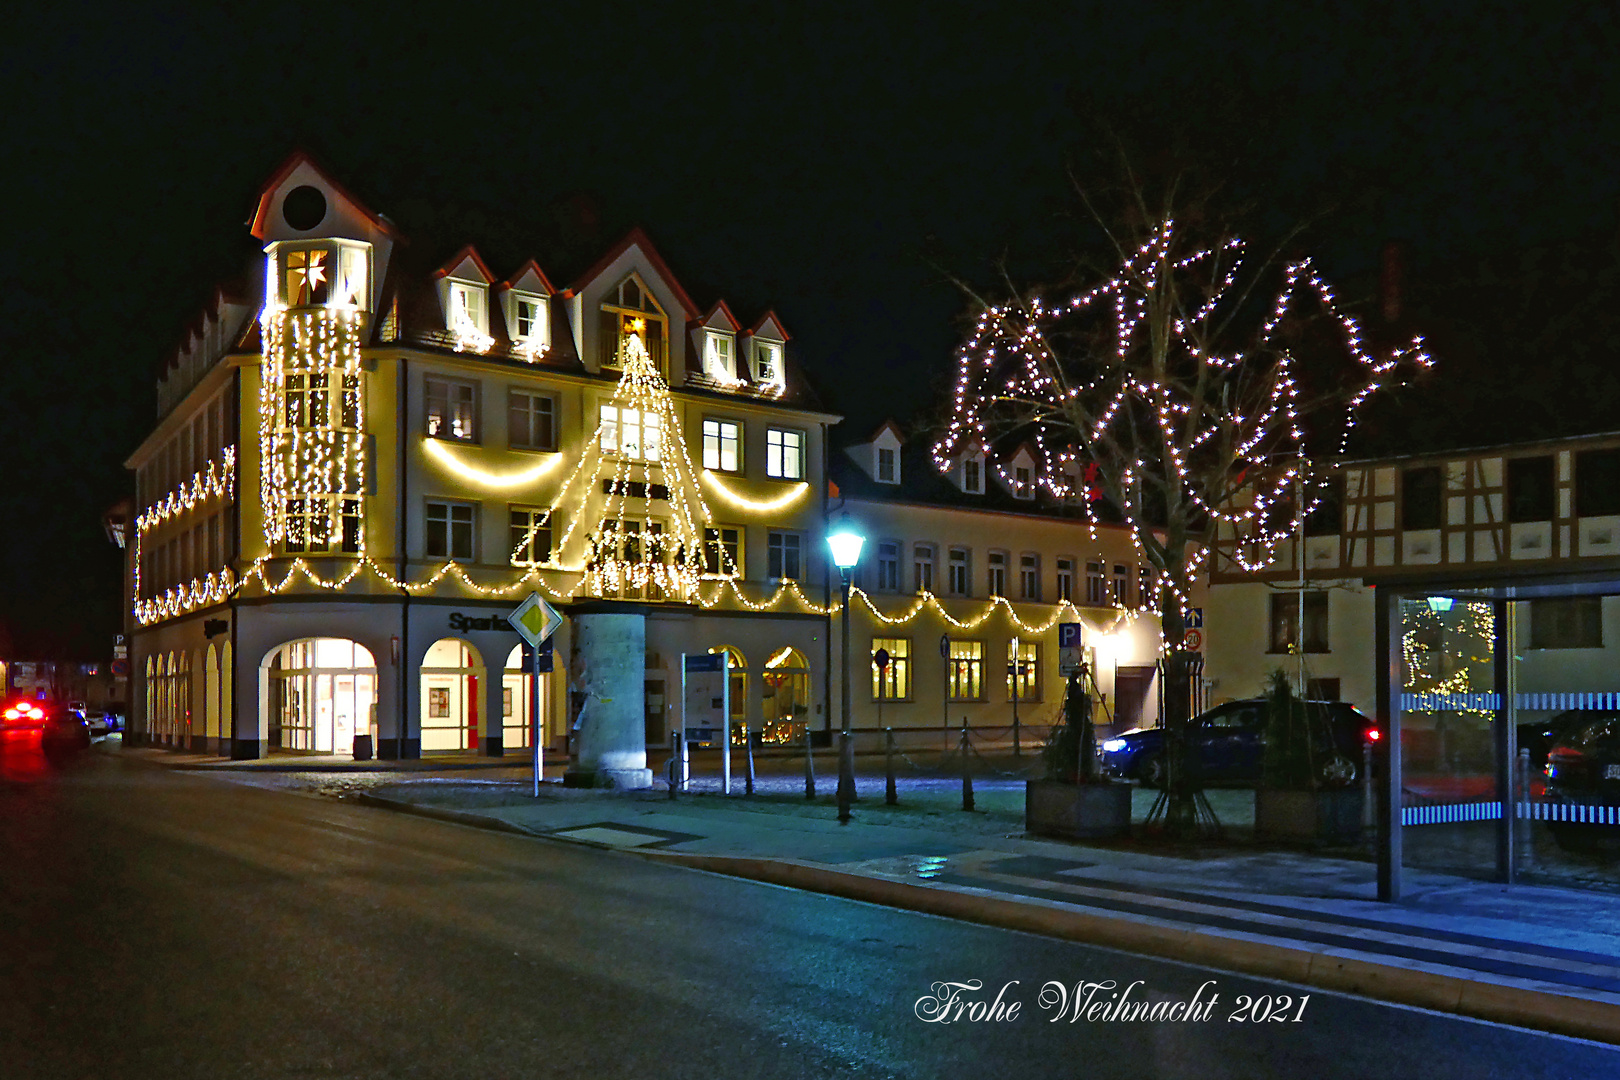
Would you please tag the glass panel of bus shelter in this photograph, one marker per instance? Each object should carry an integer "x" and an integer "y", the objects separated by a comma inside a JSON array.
[
  {"x": 1566, "y": 714},
  {"x": 1450, "y": 807}
]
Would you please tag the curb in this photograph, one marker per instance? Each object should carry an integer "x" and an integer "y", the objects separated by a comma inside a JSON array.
[{"x": 1494, "y": 1002}]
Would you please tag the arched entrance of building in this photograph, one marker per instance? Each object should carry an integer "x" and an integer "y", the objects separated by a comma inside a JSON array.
[
  {"x": 738, "y": 666},
  {"x": 323, "y": 693},
  {"x": 151, "y": 698},
  {"x": 786, "y": 697},
  {"x": 452, "y": 672},
  {"x": 517, "y": 695},
  {"x": 211, "y": 695}
]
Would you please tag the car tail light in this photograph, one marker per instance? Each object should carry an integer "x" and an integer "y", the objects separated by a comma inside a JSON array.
[
  {"x": 1373, "y": 734},
  {"x": 13, "y": 713}
]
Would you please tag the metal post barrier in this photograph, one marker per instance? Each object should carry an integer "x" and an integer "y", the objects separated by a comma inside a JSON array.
[
  {"x": 809, "y": 766},
  {"x": 1369, "y": 808},
  {"x": 1523, "y": 808},
  {"x": 686, "y": 761},
  {"x": 846, "y": 773},
  {"x": 890, "y": 795},
  {"x": 967, "y": 769},
  {"x": 748, "y": 741},
  {"x": 674, "y": 761}
]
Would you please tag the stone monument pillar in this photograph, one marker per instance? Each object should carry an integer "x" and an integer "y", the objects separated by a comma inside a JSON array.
[{"x": 607, "y": 675}]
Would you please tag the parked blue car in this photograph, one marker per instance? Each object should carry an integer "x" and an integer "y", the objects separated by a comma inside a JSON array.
[{"x": 1229, "y": 744}]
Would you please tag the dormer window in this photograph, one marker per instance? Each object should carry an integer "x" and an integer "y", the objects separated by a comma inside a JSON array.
[
  {"x": 718, "y": 357},
  {"x": 1023, "y": 482},
  {"x": 767, "y": 361},
  {"x": 973, "y": 475},
  {"x": 888, "y": 468},
  {"x": 467, "y": 317},
  {"x": 528, "y": 318},
  {"x": 351, "y": 278},
  {"x": 631, "y": 311}
]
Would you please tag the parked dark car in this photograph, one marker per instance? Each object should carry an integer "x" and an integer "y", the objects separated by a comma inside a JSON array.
[
  {"x": 1229, "y": 745},
  {"x": 1540, "y": 736},
  {"x": 65, "y": 732},
  {"x": 1583, "y": 770}
]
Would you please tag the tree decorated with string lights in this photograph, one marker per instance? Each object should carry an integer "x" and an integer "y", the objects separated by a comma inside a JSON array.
[{"x": 1182, "y": 391}]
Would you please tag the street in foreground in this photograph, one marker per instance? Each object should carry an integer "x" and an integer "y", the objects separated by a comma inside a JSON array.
[{"x": 157, "y": 923}]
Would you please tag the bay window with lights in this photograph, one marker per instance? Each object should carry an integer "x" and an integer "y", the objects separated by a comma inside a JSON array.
[
  {"x": 322, "y": 524},
  {"x": 452, "y": 410},
  {"x": 785, "y": 555},
  {"x": 894, "y": 682},
  {"x": 631, "y": 311},
  {"x": 531, "y": 420},
  {"x": 722, "y": 445},
  {"x": 634, "y": 433},
  {"x": 784, "y": 454},
  {"x": 451, "y": 531}
]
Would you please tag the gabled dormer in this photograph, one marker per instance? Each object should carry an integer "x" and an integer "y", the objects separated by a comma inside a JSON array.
[
  {"x": 968, "y": 473},
  {"x": 525, "y": 300},
  {"x": 463, "y": 285},
  {"x": 879, "y": 456},
  {"x": 323, "y": 247},
  {"x": 765, "y": 344},
  {"x": 1017, "y": 473},
  {"x": 630, "y": 292},
  {"x": 714, "y": 344}
]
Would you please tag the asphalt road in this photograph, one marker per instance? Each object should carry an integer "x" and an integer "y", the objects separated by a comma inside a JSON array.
[{"x": 164, "y": 924}]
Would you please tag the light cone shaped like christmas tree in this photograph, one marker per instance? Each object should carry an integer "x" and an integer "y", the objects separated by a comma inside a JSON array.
[{"x": 634, "y": 511}]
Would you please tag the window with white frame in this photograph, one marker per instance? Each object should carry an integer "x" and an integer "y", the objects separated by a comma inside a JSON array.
[
  {"x": 888, "y": 566},
  {"x": 718, "y": 355},
  {"x": 1029, "y": 576},
  {"x": 635, "y": 433},
  {"x": 1146, "y": 595},
  {"x": 893, "y": 681},
  {"x": 531, "y": 420},
  {"x": 784, "y": 555},
  {"x": 723, "y": 550},
  {"x": 784, "y": 454},
  {"x": 966, "y": 677},
  {"x": 767, "y": 361},
  {"x": 632, "y": 311},
  {"x": 996, "y": 578},
  {"x": 957, "y": 583},
  {"x": 888, "y": 470},
  {"x": 1065, "y": 581},
  {"x": 922, "y": 568},
  {"x": 531, "y": 327},
  {"x": 467, "y": 314},
  {"x": 1122, "y": 584},
  {"x": 450, "y": 530},
  {"x": 530, "y": 536},
  {"x": 307, "y": 277},
  {"x": 1023, "y": 482},
  {"x": 973, "y": 475},
  {"x": 722, "y": 445},
  {"x": 1024, "y": 670},
  {"x": 1096, "y": 584},
  {"x": 309, "y": 525},
  {"x": 452, "y": 410}
]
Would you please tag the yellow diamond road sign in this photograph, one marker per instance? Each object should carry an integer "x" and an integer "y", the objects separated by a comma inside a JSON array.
[{"x": 535, "y": 619}]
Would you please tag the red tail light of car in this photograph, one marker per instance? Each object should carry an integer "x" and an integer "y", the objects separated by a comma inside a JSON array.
[{"x": 1372, "y": 734}]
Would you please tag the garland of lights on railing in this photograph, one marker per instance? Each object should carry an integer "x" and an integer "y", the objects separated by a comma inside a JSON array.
[
  {"x": 1008, "y": 363},
  {"x": 217, "y": 479}
]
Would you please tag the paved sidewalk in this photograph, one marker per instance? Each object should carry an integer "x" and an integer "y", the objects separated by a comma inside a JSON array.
[{"x": 1535, "y": 956}]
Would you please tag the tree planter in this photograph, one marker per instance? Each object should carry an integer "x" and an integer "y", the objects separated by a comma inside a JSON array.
[
  {"x": 1077, "y": 811},
  {"x": 1330, "y": 817}
]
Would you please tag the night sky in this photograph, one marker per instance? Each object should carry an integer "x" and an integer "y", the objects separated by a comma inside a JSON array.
[{"x": 824, "y": 163}]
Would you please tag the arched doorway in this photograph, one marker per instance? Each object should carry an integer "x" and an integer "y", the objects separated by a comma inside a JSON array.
[
  {"x": 323, "y": 693},
  {"x": 517, "y": 693},
  {"x": 738, "y": 666},
  {"x": 167, "y": 709},
  {"x": 211, "y": 695},
  {"x": 452, "y": 672},
  {"x": 786, "y": 693},
  {"x": 151, "y": 698}
]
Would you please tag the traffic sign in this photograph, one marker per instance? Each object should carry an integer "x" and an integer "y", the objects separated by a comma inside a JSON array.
[
  {"x": 1069, "y": 652},
  {"x": 535, "y": 619},
  {"x": 1195, "y": 618},
  {"x": 881, "y": 659},
  {"x": 1193, "y": 640},
  {"x": 945, "y": 645}
]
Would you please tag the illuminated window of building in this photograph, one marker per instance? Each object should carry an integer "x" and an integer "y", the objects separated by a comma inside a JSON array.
[
  {"x": 784, "y": 555},
  {"x": 722, "y": 445},
  {"x": 531, "y": 420},
  {"x": 1065, "y": 581},
  {"x": 351, "y": 407},
  {"x": 307, "y": 280},
  {"x": 922, "y": 568},
  {"x": 450, "y": 531},
  {"x": 1024, "y": 671},
  {"x": 718, "y": 356},
  {"x": 467, "y": 313},
  {"x": 530, "y": 539},
  {"x": 452, "y": 410},
  {"x": 352, "y": 277},
  {"x": 888, "y": 566},
  {"x": 996, "y": 578},
  {"x": 767, "y": 360},
  {"x": 957, "y": 583},
  {"x": 310, "y": 521},
  {"x": 630, "y": 310},
  {"x": 894, "y": 682},
  {"x": 632, "y": 432},
  {"x": 966, "y": 675},
  {"x": 784, "y": 454},
  {"x": 1029, "y": 576},
  {"x": 722, "y": 550}
]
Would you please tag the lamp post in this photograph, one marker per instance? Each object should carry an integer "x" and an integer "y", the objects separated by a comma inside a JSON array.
[{"x": 845, "y": 544}]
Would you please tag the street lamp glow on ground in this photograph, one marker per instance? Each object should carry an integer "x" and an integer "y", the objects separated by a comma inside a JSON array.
[{"x": 845, "y": 544}]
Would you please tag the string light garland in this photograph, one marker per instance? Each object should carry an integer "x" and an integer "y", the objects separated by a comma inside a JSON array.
[
  {"x": 795, "y": 493},
  {"x": 215, "y": 480},
  {"x": 1170, "y": 404},
  {"x": 439, "y": 451}
]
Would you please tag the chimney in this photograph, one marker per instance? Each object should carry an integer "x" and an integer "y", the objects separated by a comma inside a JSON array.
[{"x": 1391, "y": 269}]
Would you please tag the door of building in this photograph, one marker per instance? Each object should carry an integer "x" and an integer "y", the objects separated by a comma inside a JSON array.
[{"x": 1131, "y": 685}]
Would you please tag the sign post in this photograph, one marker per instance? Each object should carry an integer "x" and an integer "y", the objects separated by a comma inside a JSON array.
[
  {"x": 881, "y": 660},
  {"x": 945, "y": 688},
  {"x": 1070, "y": 656},
  {"x": 536, "y": 621}
]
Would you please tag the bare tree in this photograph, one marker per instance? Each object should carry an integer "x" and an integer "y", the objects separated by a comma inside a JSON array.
[{"x": 1185, "y": 389}]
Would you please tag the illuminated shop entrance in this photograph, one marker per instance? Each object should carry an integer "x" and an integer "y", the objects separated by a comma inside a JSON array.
[
  {"x": 452, "y": 675},
  {"x": 517, "y": 694},
  {"x": 786, "y": 697},
  {"x": 323, "y": 693}
]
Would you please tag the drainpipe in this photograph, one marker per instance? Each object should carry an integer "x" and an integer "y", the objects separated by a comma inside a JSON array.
[
  {"x": 826, "y": 589},
  {"x": 401, "y": 538}
]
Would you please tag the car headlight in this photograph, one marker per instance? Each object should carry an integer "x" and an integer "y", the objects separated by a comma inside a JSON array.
[{"x": 1113, "y": 746}]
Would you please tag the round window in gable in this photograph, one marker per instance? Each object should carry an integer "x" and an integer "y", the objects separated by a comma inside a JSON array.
[{"x": 304, "y": 208}]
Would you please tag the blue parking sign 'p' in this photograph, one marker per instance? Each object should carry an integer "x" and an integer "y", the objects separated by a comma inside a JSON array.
[{"x": 1069, "y": 635}]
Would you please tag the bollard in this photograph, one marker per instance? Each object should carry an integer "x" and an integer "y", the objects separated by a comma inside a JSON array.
[
  {"x": 809, "y": 766},
  {"x": 748, "y": 740},
  {"x": 967, "y": 770},
  {"x": 846, "y": 774},
  {"x": 674, "y": 759},
  {"x": 1369, "y": 805},
  {"x": 890, "y": 795},
  {"x": 686, "y": 761},
  {"x": 1524, "y": 809}
]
